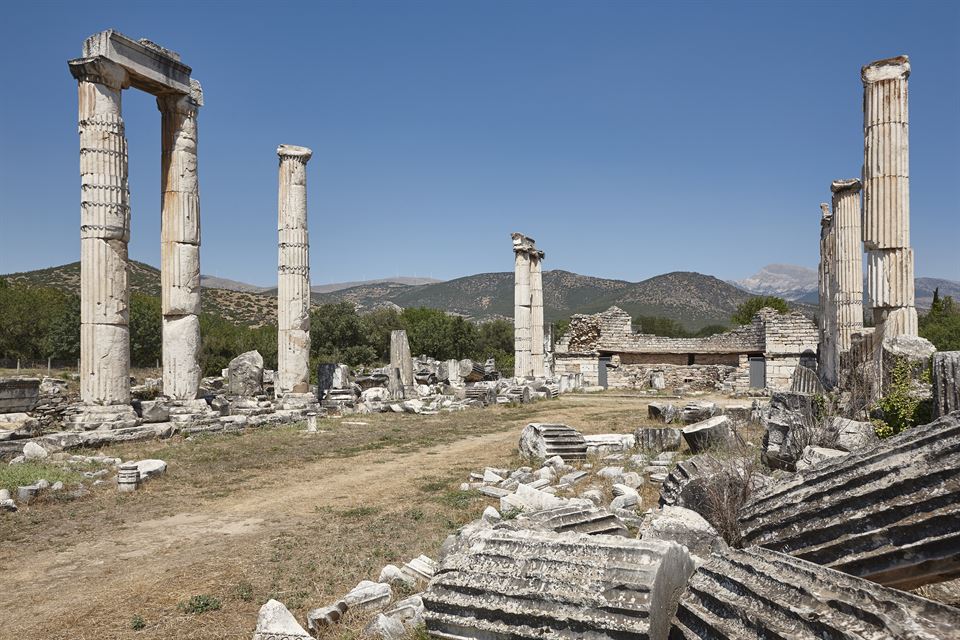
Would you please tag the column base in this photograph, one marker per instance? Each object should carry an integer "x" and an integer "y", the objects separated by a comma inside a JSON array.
[{"x": 87, "y": 417}]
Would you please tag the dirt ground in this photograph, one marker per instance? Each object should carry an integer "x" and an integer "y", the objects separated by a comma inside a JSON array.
[{"x": 273, "y": 513}]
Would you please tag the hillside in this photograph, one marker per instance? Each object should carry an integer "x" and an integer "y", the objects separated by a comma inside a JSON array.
[{"x": 692, "y": 299}]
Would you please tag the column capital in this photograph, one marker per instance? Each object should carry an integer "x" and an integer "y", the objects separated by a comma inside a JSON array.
[
  {"x": 303, "y": 154},
  {"x": 522, "y": 244},
  {"x": 850, "y": 184},
  {"x": 99, "y": 70},
  {"x": 886, "y": 69},
  {"x": 186, "y": 103},
  {"x": 826, "y": 216}
]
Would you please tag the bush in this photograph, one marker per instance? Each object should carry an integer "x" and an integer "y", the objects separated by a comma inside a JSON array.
[
  {"x": 745, "y": 312},
  {"x": 901, "y": 407},
  {"x": 200, "y": 604}
]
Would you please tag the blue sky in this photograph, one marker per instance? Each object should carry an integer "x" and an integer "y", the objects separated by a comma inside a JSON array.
[{"x": 629, "y": 138}]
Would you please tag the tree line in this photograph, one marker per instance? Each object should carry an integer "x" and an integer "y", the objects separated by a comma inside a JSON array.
[{"x": 37, "y": 323}]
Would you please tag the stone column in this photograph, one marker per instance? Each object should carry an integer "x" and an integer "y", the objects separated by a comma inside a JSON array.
[
  {"x": 827, "y": 290},
  {"x": 180, "y": 243},
  {"x": 886, "y": 197},
  {"x": 536, "y": 315},
  {"x": 848, "y": 262},
  {"x": 104, "y": 234},
  {"x": 521, "y": 308},
  {"x": 293, "y": 286}
]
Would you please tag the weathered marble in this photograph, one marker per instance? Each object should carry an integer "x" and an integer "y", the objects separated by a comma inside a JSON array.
[{"x": 293, "y": 281}]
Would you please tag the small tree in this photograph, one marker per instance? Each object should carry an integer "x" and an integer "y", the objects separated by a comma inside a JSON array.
[{"x": 745, "y": 312}]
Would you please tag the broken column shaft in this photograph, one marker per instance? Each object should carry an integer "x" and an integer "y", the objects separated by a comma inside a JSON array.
[
  {"x": 886, "y": 197},
  {"x": 827, "y": 289},
  {"x": 180, "y": 244},
  {"x": 848, "y": 261},
  {"x": 293, "y": 273},
  {"x": 104, "y": 234},
  {"x": 888, "y": 514},
  {"x": 521, "y": 308}
]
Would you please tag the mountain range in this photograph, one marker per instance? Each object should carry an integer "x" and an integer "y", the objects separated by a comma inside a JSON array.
[{"x": 694, "y": 300}]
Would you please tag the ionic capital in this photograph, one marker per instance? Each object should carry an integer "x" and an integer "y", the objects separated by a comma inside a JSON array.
[
  {"x": 99, "y": 70},
  {"x": 850, "y": 184},
  {"x": 303, "y": 154},
  {"x": 887, "y": 69},
  {"x": 186, "y": 104}
]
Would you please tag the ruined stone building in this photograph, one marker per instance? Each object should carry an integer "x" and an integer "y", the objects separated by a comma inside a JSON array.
[{"x": 762, "y": 355}]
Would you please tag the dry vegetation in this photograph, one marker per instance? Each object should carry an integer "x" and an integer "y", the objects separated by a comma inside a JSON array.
[{"x": 275, "y": 513}]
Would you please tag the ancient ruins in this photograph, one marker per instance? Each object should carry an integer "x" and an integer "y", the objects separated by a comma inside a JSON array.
[
  {"x": 528, "y": 332},
  {"x": 110, "y": 63},
  {"x": 787, "y": 515}
]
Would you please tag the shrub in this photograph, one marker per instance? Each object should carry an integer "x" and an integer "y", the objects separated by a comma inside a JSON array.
[
  {"x": 200, "y": 604},
  {"x": 901, "y": 407}
]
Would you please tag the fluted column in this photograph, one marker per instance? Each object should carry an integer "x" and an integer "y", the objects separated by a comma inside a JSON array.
[
  {"x": 827, "y": 289},
  {"x": 886, "y": 196},
  {"x": 180, "y": 243},
  {"x": 536, "y": 314},
  {"x": 522, "y": 366},
  {"x": 293, "y": 273},
  {"x": 104, "y": 233},
  {"x": 848, "y": 261}
]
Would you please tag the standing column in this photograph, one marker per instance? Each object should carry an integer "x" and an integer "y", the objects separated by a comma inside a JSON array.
[
  {"x": 886, "y": 197},
  {"x": 521, "y": 307},
  {"x": 536, "y": 314},
  {"x": 180, "y": 243},
  {"x": 293, "y": 273},
  {"x": 848, "y": 262},
  {"x": 827, "y": 287},
  {"x": 104, "y": 234}
]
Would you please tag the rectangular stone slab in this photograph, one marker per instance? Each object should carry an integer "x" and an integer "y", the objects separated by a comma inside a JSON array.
[{"x": 152, "y": 69}]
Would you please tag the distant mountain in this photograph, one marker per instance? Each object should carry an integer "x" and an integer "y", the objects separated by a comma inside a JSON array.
[
  {"x": 692, "y": 299},
  {"x": 787, "y": 281},
  {"x": 799, "y": 285},
  {"x": 338, "y": 286},
  {"x": 213, "y": 282}
]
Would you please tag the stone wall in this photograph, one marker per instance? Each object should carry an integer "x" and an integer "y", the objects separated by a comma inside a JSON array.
[{"x": 714, "y": 362}]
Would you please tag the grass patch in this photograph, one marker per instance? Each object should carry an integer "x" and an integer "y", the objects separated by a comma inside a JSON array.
[
  {"x": 200, "y": 604},
  {"x": 18, "y": 475}
]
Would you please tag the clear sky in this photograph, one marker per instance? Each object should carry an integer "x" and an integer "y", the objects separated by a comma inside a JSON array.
[{"x": 629, "y": 138}]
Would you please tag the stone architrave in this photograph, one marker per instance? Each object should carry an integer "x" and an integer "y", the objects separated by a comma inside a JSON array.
[
  {"x": 293, "y": 273},
  {"x": 104, "y": 234},
  {"x": 536, "y": 315},
  {"x": 180, "y": 243},
  {"x": 522, "y": 365},
  {"x": 886, "y": 197}
]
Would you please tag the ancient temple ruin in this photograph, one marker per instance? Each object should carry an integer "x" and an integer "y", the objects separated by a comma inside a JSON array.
[
  {"x": 841, "y": 277},
  {"x": 763, "y": 354},
  {"x": 112, "y": 62},
  {"x": 293, "y": 276},
  {"x": 886, "y": 196},
  {"x": 528, "y": 308}
]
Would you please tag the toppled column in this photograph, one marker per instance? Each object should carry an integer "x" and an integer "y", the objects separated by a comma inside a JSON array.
[
  {"x": 757, "y": 593},
  {"x": 886, "y": 197},
  {"x": 888, "y": 514},
  {"x": 402, "y": 384},
  {"x": 536, "y": 315},
  {"x": 544, "y": 441},
  {"x": 522, "y": 336},
  {"x": 180, "y": 243},
  {"x": 946, "y": 382},
  {"x": 827, "y": 289},
  {"x": 525, "y": 584},
  {"x": 293, "y": 273},
  {"x": 104, "y": 234}
]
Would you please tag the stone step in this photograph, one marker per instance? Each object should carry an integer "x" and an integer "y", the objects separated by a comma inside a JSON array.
[
  {"x": 758, "y": 593},
  {"x": 534, "y": 584},
  {"x": 888, "y": 514}
]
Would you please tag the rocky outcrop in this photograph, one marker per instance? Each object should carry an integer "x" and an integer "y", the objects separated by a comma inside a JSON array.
[
  {"x": 757, "y": 593},
  {"x": 532, "y": 584},
  {"x": 547, "y": 440},
  {"x": 888, "y": 514}
]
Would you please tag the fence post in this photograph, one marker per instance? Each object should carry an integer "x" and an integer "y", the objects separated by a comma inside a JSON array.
[
  {"x": 18, "y": 366},
  {"x": 48, "y": 366}
]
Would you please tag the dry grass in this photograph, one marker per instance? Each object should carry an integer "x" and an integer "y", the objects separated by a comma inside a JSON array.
[{"x": 269, "y": 513}]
